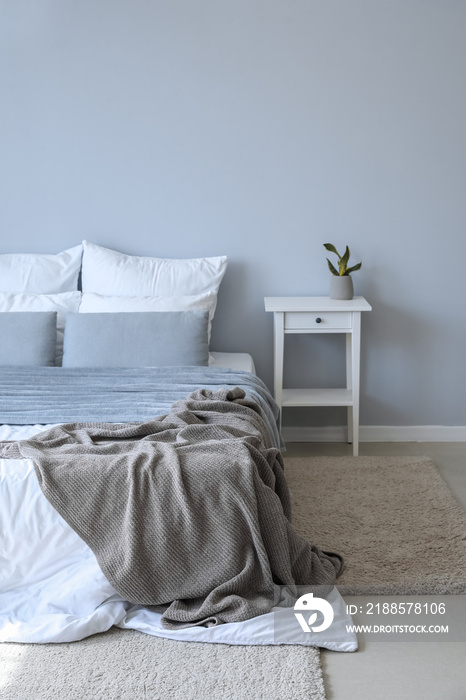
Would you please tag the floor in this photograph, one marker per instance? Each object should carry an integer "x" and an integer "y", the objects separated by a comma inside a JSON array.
[{"x": 399, "y": 670}]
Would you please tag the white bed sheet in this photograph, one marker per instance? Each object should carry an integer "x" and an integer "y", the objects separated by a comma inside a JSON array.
[{"x": 52, "y": 589}]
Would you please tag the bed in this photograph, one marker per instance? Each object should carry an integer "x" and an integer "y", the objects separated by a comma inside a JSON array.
[{"x": 125, "y": 364}]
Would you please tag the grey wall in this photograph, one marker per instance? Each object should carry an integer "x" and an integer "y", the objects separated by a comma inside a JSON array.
[{"x": 258, "y": 129}]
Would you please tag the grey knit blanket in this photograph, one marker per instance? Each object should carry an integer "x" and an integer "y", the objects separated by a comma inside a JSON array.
[{"x": 189, "y": 512}]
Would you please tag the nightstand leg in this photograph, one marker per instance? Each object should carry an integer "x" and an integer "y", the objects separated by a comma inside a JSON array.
[
  {"x": 349, "y": 383},
  {"x": 355, "y": 355},
  {"x": 279, "y": 342}
]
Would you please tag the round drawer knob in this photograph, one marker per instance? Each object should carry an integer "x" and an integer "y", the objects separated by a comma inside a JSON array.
[{"x": 318, "y": 319}]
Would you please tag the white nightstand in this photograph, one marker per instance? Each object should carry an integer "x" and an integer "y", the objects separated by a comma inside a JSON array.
[{"x": 320, "y": 315}]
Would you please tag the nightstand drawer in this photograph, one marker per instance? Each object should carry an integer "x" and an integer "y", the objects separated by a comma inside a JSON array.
[{"x": 302, "y": 320}]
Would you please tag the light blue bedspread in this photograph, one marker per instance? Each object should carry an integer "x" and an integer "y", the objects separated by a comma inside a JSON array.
[{"x": 45, "y": 395}]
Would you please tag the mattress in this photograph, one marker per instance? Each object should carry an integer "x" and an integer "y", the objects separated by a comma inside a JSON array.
[{"x": 234, "y": 360}]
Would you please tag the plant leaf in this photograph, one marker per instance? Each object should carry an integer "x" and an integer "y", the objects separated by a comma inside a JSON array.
[
  {"x": 331, "y": 268},
  {"x": 331, "y": 248},
  {"x": 342, "y": 264},
  {"x": 354, "y": 268}
]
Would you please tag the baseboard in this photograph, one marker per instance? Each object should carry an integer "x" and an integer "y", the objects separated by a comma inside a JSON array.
[{"x": 377, "y": 433}]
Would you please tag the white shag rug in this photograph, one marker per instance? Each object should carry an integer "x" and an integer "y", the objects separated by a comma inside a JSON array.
[{"x": 129, "y": 665}]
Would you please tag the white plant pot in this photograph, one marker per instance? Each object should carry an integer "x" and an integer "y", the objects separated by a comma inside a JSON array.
[{"x": 341, "y": 287}]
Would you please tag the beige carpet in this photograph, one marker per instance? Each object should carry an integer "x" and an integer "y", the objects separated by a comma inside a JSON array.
[
  {"x": 392, "y": 518},
  {"x": 128, "y": 665}
]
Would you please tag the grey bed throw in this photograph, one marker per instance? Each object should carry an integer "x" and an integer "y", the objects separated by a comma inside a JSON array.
[
  {"x": 46, "y": 395},
  {"x": 189, "y": 512}
]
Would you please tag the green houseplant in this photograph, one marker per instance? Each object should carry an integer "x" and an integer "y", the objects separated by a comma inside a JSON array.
[{"x": 341, "y": 284}]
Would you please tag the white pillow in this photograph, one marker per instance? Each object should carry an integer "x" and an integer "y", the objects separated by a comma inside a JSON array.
[
  {"x": 31, "y": 273},
  {"x": 108, "y": 272},
  {"x": 61, "y": 303},
  {"x": 98, "y": 303}
]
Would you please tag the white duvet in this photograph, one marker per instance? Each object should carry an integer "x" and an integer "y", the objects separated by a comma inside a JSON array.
[{"x": 52, "y": 589}]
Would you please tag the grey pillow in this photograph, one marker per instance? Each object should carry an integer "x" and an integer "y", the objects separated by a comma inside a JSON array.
[
  {"x": 139, "y": 339},
  {"x": 28, "y": 338}
]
